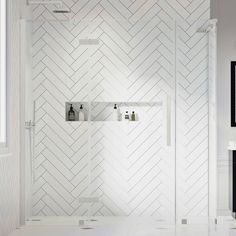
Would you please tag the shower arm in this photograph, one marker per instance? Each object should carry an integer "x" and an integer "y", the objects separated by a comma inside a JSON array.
[{"x": 56, "y": 2}]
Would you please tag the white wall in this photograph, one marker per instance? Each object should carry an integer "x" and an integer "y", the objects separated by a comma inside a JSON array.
[
  {"x": 9, "y": 164},
  {"x": 224, "y": 11}
]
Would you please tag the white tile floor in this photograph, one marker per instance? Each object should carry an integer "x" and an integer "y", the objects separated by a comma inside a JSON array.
[{"x": 119, "y": 226}]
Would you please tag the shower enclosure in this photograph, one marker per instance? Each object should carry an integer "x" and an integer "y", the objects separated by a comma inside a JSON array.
[{"x": 156, "y": 166}]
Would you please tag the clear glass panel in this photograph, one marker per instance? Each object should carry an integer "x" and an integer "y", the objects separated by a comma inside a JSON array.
[
  {"x": 56, "y": 75},
  {"x": 192, "y": 119},
  {"x": 101, "y": 166},
  {"x": 132, "y": 164}
]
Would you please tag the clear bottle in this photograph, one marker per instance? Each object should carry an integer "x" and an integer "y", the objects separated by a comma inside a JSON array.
[
  {"x": 71, "y": 113},
  {"x": 81, "y": 113}
]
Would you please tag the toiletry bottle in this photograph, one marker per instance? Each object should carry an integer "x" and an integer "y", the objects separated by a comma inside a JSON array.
[
  {"x": 71, "y": 114},
  {"x": 81, "y": 113},
  {"x": 115, "y": 115},
  {"x": 133, "y": 118},
  {"x": 126, "y": 116}
]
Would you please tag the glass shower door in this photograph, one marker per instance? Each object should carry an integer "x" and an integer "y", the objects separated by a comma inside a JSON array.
[
  {"x": 59, "y": 78},
  {"x": 133, "y": 162},
  {"x": 102, "y": 166}
]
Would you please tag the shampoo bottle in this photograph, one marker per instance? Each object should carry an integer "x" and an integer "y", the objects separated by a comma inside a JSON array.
[
  {"x": 71, "y": 113},
  {"x": 133, "y": 117}
]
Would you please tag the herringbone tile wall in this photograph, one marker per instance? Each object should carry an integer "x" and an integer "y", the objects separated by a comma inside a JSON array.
[{"x": 132, "y": 171}]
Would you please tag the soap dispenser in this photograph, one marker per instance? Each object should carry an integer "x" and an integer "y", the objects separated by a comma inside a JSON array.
[
  {"x": 71, "y": 113},
  {"x": 81, "y": 113},
  {"x": 115, "y": 115}
]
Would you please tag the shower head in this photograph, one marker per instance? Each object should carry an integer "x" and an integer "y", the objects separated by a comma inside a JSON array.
[
  {"x": 204, "y": 30},
  {"x": 211, "y": 26}
]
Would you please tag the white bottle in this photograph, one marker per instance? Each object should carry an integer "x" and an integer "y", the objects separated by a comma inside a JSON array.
[
  {"x": 115, "y": 115},
  {"x": 126, "y": 116},
  {"x": 81, "y": 113}
]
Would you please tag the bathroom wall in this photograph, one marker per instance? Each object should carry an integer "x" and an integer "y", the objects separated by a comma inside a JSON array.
[
  {"x": 224, "y": 12},
  {"x": 134, "y": 61},
  {"x": 10, "y": 163}
]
